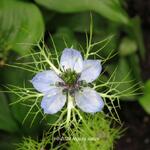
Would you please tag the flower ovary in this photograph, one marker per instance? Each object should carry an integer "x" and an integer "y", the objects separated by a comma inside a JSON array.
[{"x": 70, "y": 77}]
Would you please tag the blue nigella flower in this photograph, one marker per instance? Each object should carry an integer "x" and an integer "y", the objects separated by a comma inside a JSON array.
[{"x": 74, "y": 80}]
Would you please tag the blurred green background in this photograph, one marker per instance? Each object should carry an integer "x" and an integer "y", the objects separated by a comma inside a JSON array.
[{"x": 25, "y": 22}]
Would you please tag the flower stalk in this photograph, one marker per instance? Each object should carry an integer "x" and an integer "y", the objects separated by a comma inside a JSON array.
[{"x": 70, "y": 106}]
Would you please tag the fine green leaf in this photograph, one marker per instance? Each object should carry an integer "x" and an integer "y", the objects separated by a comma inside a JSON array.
[
  {"x": 123, "y": 74},
  {"x": 111, "y": 9},
  {"x": 21, "y": 25}
]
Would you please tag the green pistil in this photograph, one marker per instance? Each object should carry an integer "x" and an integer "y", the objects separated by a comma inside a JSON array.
[{"x": 69, "y": 77}]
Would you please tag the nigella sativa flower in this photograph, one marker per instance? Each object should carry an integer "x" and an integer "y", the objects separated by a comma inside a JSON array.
[{"x": 76, "y": 75}]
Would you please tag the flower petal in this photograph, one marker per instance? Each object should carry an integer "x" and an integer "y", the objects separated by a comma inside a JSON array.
[
  {"x": 91, "y": 70},
  {"x": 45, "y": 81},
  {"x": 71, "y": 59},
  {"x": 53, "y": 102},
  {"x": 53, "y": 91},
  {"x": 89, "y": 100}
]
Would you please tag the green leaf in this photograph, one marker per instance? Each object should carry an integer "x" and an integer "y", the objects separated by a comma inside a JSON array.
[
  {"x": 135, "y": 31},
  {"x": 127, "y": 46},
  {"x": 21, "y": 25},
  {"x": 134, "y": 62},
  {"x": 20, "y": 78},
  {"x": 101, "y": 26},
  {"x": 145, "y": 99},
  {"x": 12, "y": 139},
  {"x": 17, "y": 78},
  {"x": 123, "y": 74},
  {"x": 64, "y": 37},
  {"x": 111, "y": 9},
  {"x": 7, "y": 123}
]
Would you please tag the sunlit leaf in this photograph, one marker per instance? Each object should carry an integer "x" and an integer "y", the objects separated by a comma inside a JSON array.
[{"x": 110, "y": 9}]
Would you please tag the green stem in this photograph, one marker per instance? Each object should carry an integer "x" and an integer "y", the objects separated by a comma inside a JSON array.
[
  {"x": 52, "y": 66},
  {"x": 49, "y": 62},
  {"x": 70, "y": 106}
]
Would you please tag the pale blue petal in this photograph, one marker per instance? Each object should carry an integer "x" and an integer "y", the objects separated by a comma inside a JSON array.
[
  {"x": 71, "y": 59},
  {"x": 89, "y": 100},
  {"x": 91, "y": 70},
  {"x": 45, "y": 81},
  {"x": 53, "y": 102},
  {"x": 53, "y": 91}
]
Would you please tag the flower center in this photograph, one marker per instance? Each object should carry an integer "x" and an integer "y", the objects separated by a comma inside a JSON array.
[
  {"x": 71, "y": 83},
  {"x": 70, "y": 77}
]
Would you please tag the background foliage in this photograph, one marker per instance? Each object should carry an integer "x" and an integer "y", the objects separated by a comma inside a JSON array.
[{"x": 23, "y": 23}]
